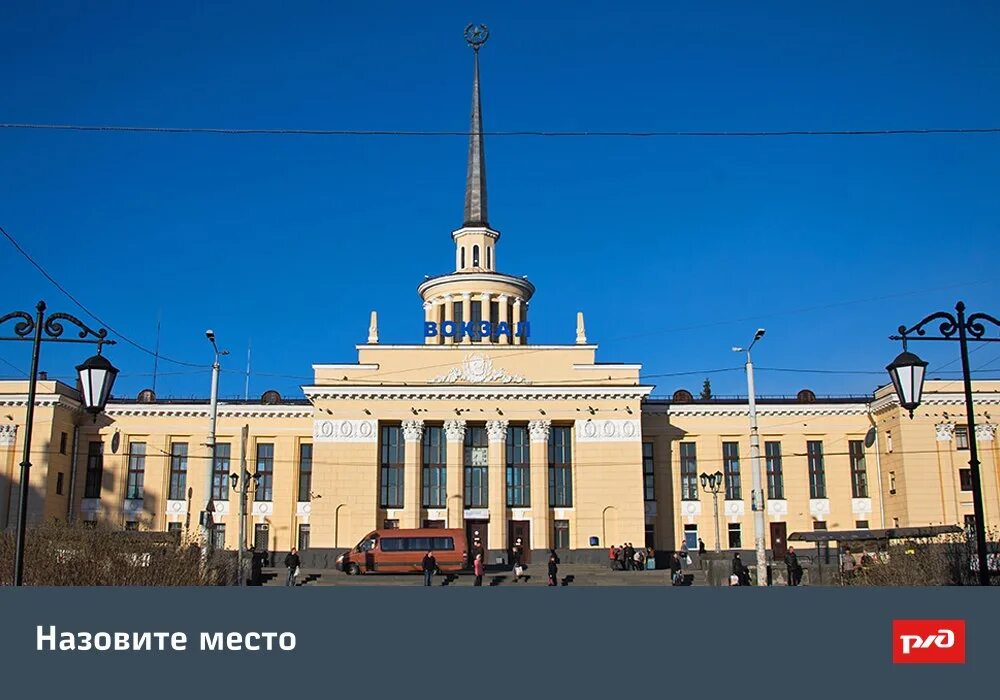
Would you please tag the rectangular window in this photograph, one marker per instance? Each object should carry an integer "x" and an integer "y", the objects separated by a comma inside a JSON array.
[
  {"x": 861, "y": 524},
  {"x": 391, "y": 448},
  {"x": 817, "y": 474},
  {"x": 731, "y": 469},
  {"x": 305, "y": 472},
  {"x": 136, "y": 470},
  {"x": 59, "y": 484},
  {"x": 775, "y": 479},
  {"x": 961, "y": 437},
  {"x": 457, "y": 316},
  {"x": 178, "y": 471},
  {"x": 390, "y": 524},
  {"x": 819, "y": 524},
  {"x": 95, "y": 470},
  {"x": 434, "y": 473},
  {"x": 735, "y": 536},
  {"x": 175, "y": 529},
  {"x": 965, "y": 479},
  {"x": 892, "y": 483},
  {"x": 689, "y": 472},
  {"x": 494, "y": 317},
  {"x": 648, "y": 477},
  {"x": 476, "y": 459},
  {"x": 131, "y": 525},
  {"x": 218, "y": 536},
  {"x": 691, "y": 536},
  {"x": 62, "y": 443},
  {"x": 476, "y": 312},
  {"x": 859, "y": 474},
  {"x": 518, "y": 467},
  {"x": 560, "y": 469},
  {"x": 560, "y": 534},
  {"x": 303, "y": 537},
  {"x": 888, "y": 441},
  {"x": 265, "y": 468},
  {"x": 220, "y": 473}
]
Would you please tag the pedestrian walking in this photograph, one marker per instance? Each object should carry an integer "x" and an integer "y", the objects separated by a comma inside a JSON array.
[
  {"x": 701, "y": 546},
  {"x": 292, "y": 564},
  {"x": 517, "y": 555},
  {"x": 429, "y": 566},
  {"x": 793, "y": 567},
  {"x": 612, "y": 556},
  {"x": 740, "y": 570},
  {"x": 676, "y": 575},
  {"x": 620, "y": 557},
  {"x": 478, "y": 568},
  {"x": 553, "y": 569}
]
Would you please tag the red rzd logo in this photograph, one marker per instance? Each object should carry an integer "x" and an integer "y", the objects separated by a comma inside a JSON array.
[{"x": 928, "y": 641}]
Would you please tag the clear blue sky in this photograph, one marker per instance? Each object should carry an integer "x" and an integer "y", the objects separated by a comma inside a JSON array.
[{"x": 675, "y": 248}]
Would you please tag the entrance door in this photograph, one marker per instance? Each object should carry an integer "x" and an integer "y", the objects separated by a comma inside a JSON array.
[
  {"x": 476, "y": 531},
  {"x": 519, "y": 530},
  {"x": 778, "y": 543}
]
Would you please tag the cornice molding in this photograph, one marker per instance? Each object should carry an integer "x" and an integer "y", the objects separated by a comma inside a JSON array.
[
  {"x": 203, "y": 411},
  {"x": 450, "y": 393},
  {"x": 41, "y": 400},
  {"x": 806, "y": 409},
  {"x": 951, "y": 398}
]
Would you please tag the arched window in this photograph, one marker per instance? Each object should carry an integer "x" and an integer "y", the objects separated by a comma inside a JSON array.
[
  {"x": 462, "y": 266},
  {"x": 475, "y": 256},
  {"x": 489, "y": 258}
]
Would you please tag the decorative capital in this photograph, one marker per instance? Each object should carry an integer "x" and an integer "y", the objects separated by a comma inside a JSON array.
[
  {"x": 413, "y": 430},
  {"x": 455, "y": 430},
  {"x": 985, "y": 432},
  {"x": 539, "y": 430},
  {"x": 496, "y": 430},
  {"x": 8, "y": 434},
  {"x": 944, "y": 431}
]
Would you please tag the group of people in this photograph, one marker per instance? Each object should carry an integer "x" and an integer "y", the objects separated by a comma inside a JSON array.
[
  {"x": 478, "y": 552},
  {"x": 628, "y": 558}
]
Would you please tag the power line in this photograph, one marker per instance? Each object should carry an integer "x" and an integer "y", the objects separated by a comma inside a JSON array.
[
  {"x": 87, "y": 311},
  {"x": 118, "y": 128}
]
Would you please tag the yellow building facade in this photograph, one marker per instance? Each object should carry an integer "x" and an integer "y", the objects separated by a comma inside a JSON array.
[{"x": 474, "y": 427}]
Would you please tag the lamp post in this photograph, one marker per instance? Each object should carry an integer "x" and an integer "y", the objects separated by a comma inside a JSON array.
[
  {"x": 907, "y": 372},
  {"x": 206, "y": 519},
  {"x": 757, "y": 492},
  {"x": 96, "y": 376},
  {"x": 243, "y": 485},
  {"x": 712, "y": 483}
]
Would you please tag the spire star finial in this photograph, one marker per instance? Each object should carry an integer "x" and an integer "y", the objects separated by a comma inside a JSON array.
[{"x": 476, "y": 35}]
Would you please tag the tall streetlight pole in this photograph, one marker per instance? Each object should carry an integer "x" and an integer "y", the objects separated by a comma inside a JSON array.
[
  {"x": 712, "y": 483},
  {"x": 757, "y": 492},
  {"x": 96, "y": 377},
  {"x": 206, "y": 520},
  {"x": 249, "y": 483},
  {"x": 907, "y": 372}
]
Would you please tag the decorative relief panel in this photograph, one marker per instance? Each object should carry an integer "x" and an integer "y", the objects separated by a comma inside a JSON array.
[
  {"x": 344, "y": 430},
  {"x": 777, "y": 508},
  {"x": 132, "y": 506},
  {"x": 8, "y": 434},
  {"x": 177, "y": 507},
  {"x": 478, "y": 369},
  {"x": 944, "y": 431},
  {"x": 734, "y": 509},
  {"x": 263, "y": 508},
  {"x": 221, "y": 507},
  {"x": 861, "y": 506},
  {"x": 608, "y": 431},
  {"x": 691, "y": 509},
  {"x": 91, "y": 505},
  {"x": 819, "y": 508}
]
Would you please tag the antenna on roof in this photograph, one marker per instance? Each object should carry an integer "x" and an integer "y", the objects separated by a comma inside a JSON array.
[
  {"x": 156, "y": 353},
  {"x": 246, "y": 385}
]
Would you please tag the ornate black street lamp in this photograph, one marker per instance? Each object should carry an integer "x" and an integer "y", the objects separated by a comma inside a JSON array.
[
  {"x": 907, "y": 374},
  {"x": 96, "y": 377},
  {"x": 712, "y": 483},
  {"x": 249, "y": 483}
]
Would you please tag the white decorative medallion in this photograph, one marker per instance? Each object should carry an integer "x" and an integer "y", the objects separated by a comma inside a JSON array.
[
  {"x": 263, "y": 508},
  {"x": 734, "y": 509},
  {"x": 777, "y": 508},
  {"x": 608, "y": 431},
  {"x": 861, "y": 506},
  {"x": 177, "y": 507},
  {"x": 90, "y": 505},
  {"x": 478, "y": 369},
  {"x": 344, "y": 430},
  {"x": 691, "y": 509},
  {"x": 221, "y": 508},
  {"x": 819, "y": 508},
  {"x": 132, "y": 506}
]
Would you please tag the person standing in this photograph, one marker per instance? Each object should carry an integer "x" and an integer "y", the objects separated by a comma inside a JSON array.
[
  {"x": 292, "y": 564},
  {"x": 612, "y": 556},
  {"x": 517, "y": 556},
  {"x": 740, "y": 570},
  {"x": 793, "y": 567},
  {"x": 701, "y": 546},
  {"x": 676, "y": 577},
  {"x": 553, "y": 569},
  {"x": 429, "y": 566},
  {"x": 478, "y": 568}
]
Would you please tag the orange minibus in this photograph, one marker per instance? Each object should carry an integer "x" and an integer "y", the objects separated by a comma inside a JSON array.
[{"x": 402, "y": 551}]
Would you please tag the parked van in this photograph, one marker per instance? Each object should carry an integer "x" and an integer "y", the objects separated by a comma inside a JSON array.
[{"x": 402, "y": 551}]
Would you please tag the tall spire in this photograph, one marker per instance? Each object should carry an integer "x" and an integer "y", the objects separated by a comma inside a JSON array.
[{"x": 475, "y": 180}]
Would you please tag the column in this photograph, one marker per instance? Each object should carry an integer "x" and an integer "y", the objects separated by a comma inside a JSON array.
[
  {"x": 484, "y": 303},
  {"x": 496, "y": 430},
  {"x": 455, "y": 432},
  {"x": 541, "y": 516},
  {"x": 466, "y": 315},
  {"x": 502, "y": 301},
  {"x": 449, "y": 315},
  {"x": 518, "y": 302},
  {"x": 413, "y": 432},
  {"x": 428, "y": 317}
]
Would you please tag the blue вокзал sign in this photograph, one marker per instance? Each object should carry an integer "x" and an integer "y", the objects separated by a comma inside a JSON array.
[{"x": 475, "y": 329}]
